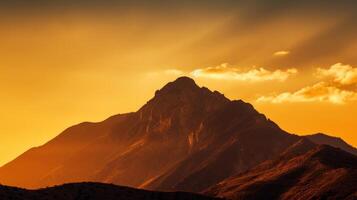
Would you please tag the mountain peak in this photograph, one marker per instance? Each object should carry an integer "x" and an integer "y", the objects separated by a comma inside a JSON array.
[
  {"x": 183, "y": 105},
  {"x": 185, "y": 89},
  {"x": 184, "y": 93},
  {"x": 184, "y": 80},
  {"x": 180, "y": 84}
]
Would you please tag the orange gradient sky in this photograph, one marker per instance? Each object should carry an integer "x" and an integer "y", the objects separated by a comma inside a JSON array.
[{"x": 62, "y": 63}]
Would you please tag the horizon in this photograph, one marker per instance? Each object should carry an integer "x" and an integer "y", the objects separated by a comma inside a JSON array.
[{"x": 66, "y": 62}]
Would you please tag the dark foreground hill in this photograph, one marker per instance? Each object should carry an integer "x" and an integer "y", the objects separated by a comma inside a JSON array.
[
  {"x": 323, "y": 172},
  {"x": 93, "y": 191}
]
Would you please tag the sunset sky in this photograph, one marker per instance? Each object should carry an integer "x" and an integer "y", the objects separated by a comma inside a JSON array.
[{"x": 64, "y": 62}]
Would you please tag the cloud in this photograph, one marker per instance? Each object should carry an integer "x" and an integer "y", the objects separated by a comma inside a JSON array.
[
  {"x": 331, "y": 89},
  {"x": 227, "y": 72},
  {"x": 281, "y": 53},
  {"x": 320, "y": 92},
  {"x": 340, "y": 73}
]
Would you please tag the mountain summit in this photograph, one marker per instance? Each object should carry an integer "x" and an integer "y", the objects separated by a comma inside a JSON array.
[
  {"x": 185, "y": 138},
  {"x": 182, "y": 83},
  {"x": 183, "y": 93}
]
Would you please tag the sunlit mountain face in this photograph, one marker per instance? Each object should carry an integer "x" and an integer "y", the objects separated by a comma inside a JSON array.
[{"x": 64, "y": 62}]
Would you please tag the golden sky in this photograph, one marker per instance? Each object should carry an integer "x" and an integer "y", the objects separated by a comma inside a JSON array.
[{"x": 64, "y": 62}]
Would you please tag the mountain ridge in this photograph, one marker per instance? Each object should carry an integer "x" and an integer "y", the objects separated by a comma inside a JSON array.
[{"x": 321, "y": 138}]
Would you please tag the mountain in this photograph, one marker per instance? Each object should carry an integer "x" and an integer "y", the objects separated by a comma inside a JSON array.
[
  {"x": 185, "y": 138},
  {"x": 93, "y": 191},
  {"x": 323, "y": 172},
  {"x": 321, "y": 138},
  {"x": 178, "y": 137}
]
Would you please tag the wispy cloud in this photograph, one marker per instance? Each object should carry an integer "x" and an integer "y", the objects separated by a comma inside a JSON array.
[
  {"x": 227, "y": 72},
  {"x": 339, "y": 73},
  {"x": 281, "y": 53},
  {"x": 320, "y": 92},
  {"x": 331, "y": 89}
]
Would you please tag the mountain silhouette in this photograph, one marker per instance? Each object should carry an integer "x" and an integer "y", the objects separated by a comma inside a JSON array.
[
  {"x": 321, "y": 138},
  {"x": 323, "y": 172},
  {"x": 94, "y": 191},
  {"x": 186, "y": 138}
]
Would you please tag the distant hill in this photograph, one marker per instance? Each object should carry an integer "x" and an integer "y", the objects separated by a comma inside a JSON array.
[
  {"x": 323, "y": 172},
  {"x": 93, "y": 191},
  {"x": 321, "y": 138}
]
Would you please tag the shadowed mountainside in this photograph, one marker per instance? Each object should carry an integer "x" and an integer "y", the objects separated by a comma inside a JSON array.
[
  {"x": 93, "y": 191},
  {"x": 323, "y": 172},
  {"x": 186, "y": 138}
]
